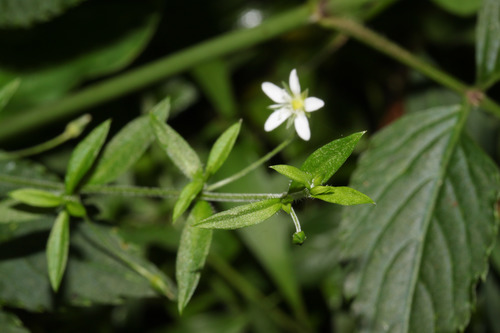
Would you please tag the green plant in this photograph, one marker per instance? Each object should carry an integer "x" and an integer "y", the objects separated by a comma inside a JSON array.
[{"x": 134, "y": 204}]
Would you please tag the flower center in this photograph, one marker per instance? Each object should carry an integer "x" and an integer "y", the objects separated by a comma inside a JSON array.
[{"x": 297, "y": 104}]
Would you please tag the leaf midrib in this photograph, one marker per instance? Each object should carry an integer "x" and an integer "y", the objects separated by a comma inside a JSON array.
[{"x": 448, "y": 153}]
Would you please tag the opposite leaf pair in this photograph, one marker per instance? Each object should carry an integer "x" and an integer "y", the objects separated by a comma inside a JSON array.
[
  {"x": 188, "y": 162},
  {"x": 307, "y": 182},
  {"x": 84, "y": 168}
]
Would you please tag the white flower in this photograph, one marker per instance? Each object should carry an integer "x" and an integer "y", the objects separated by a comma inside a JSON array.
[{"x": 291, "y": 104}]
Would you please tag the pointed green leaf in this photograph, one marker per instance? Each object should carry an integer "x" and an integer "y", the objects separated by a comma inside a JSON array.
[
  {"x": 242, "y": 216},
  {"x": 126, "y": 147},
  {"x": 57, "y": 249},
  {"x": 179, "y": 151},
  {"x": 37, "y": 198},
  {"x": 193, "y": 250},
  {"x": 295, "y": 174},
  {"x": 221, "y": 149},
  {"x": 75, "y": 209},
  {"x": 7, "y": 91},
  {"x": 421, "y": 250},
  {"x": 488, "y": 44},
  {"x": 84, "y": 156},
  {"x": 325, "y": 161},
  {"x": 214, "y": 78},
  {"x": 340, "y": 195},
  {"x": 188, "y": 193}
]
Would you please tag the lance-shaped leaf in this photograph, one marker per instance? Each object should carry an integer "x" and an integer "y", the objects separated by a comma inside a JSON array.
[
  {"x": 84, "y": 156},
  {"x": 126, "y": 147},
  {"x": 179, "y": 151},
  {"x": 295, "y": 174},
  {"x": 421, "y": 250},
  {"x": 488, "y": 43},
  {"x": 75, "y": 208},
  {"x": 221, "y": 149},
  {"x": 57, "y": 249},
  {"x": 325, "y": 161},
  {"x": 193, "y": 250},
  {"x": 7, "y": 91},
  {"x": 37, "y": 198},
  {"x": 187, "y": 195},
  {"x": 242, "y": 216},
  {"x": 340, "y": 195}
]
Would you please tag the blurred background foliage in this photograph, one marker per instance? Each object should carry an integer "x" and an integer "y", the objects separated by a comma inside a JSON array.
[{"x": 255, "y": 279}]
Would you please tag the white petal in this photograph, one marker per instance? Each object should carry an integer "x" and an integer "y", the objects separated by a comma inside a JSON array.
[
  {"x": 294, "y": 82},
  {"x": 276, "y": 118},
  {"x": 275, "y": 106},
  {"x": 274, "y": 92},
  {"x": 302, "y": 127},
  {"x": 313, "y": 104}
]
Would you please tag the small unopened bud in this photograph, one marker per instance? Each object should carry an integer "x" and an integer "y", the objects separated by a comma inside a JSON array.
[
  {"x": 76, "y": 127},
  {"x": 299, "y": 238}
]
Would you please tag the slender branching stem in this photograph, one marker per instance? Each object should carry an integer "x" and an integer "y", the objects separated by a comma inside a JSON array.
[
  {"x": 251, "y": 167},
  {"x": 383, "y": 45}
]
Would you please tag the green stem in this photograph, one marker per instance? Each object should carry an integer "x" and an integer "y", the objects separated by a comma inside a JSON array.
[
  {"x": 393, "y": 50},
  {"x": 130, "y": 191},
  {"x": 154, "y": 72},
  {"x": 295, "y": 220},
  {"x": 251, "y": 167},
  {"x": 30, "y": 182},
  {"x": 74, "y": 129},
  {"x": 164, "y": 286},
  {"x": 148, "y": 191},
  {"x": 240, "y": 197}
]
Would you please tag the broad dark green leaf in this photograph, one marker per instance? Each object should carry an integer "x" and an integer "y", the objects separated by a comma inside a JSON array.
[
  {"x": 25, "y": 13},
  {"x": 488, "y": 44},
  {"x": 126, "y": 147},
  {"x": 94, "y": 273},
  {"x": 84, "y": 156},
  {"x": 179, "y": 151},
  {"x": 125, "y": 254},
  {"x": 37, "y": 198},
  {"x": 302, "y": 177},
  {"x": 242, "y": 216},
  {"x": 421, "y": 250},
  {"x": 214, "y": 78},
  {"x": 340, "y": 195},
  {"x": 22, "y": 173},
  {"x": 193, "y": 250},
  {"x": 11, "y": 323},
  {"x": 7, "y": 91},
  {"x": 325, "y": 161},
  {"x": 57, "y": 249},
  {"x": 221, "y": 149},
  {"x": 459, "y": 7},
  {"x": 187, "y": 195}
]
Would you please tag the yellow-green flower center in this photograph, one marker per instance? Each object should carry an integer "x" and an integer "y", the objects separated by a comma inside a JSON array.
[{"x": 297, "y": 103}]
